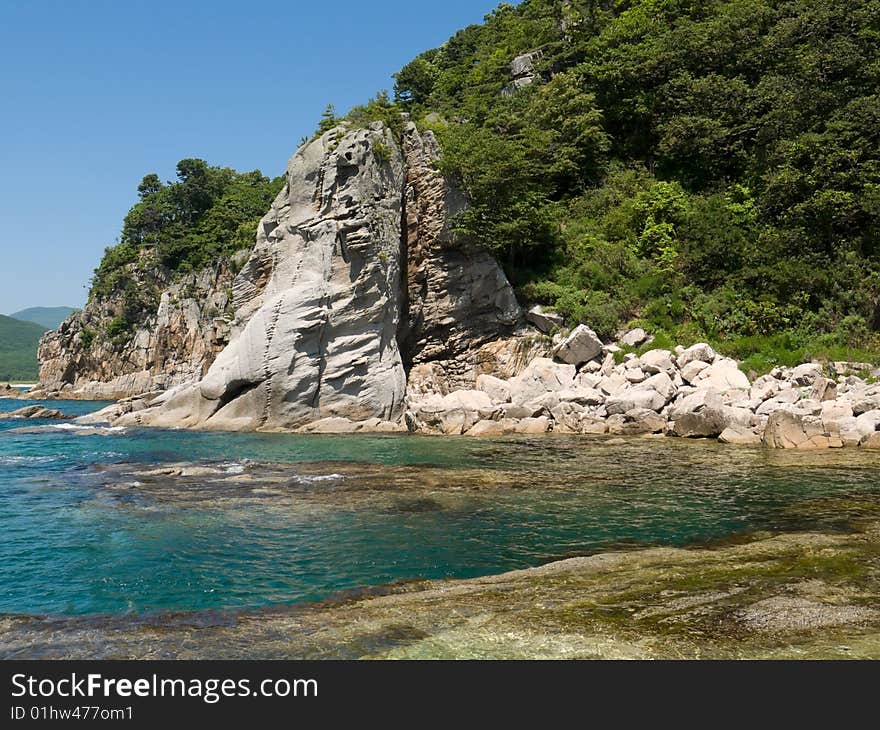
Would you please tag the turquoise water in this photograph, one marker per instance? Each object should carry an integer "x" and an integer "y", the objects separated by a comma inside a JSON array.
[{"x": 286, "y": 518}]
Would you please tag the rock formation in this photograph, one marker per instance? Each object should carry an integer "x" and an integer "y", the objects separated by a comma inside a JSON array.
[
  {"x": 358, "y": 309},
  {"x": 355, "y": 281},
  {"x": 175, "y": 345}
]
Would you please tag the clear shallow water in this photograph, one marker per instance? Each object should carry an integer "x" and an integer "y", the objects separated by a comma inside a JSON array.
[{"x": 284, "y": 518}]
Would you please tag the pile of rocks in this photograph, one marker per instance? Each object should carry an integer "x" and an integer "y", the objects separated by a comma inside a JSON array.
[{"x": 694, "y": 392}]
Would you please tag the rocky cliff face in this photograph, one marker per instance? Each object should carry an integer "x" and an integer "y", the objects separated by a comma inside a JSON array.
[
  {"x": 458, "y": 300},
  {"x": 176, "y": 344},
  {"x": 355, "y": 283}
]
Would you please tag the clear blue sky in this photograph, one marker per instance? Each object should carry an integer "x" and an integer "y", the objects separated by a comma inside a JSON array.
[{"x": 96, "y": 93}]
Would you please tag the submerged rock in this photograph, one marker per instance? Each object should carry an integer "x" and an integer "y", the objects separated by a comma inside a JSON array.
[
  {"x": 34, "y": 413},
  {"x": 809, "y": 595}
]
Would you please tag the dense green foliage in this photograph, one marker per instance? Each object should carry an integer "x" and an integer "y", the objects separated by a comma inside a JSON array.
[
  {"x": 709, "y": 168},
  {"x": 18, "y": 349},
  {"x": 48, "y": 317},
  {"x": 209, "y": 212}
]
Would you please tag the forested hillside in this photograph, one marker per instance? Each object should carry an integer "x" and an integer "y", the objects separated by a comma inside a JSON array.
[
  {"x": 710, "y": 169},
  {"x": 48, "y": 317},
  {"x": 18, "y": 349},
  {"x": 175, "y": 228}
]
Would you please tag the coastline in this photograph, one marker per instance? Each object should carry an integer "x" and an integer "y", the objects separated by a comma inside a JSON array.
[{"x": 691, "y": 393}]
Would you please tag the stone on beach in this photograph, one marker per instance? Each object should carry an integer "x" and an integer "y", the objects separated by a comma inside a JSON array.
[{"x": 581, "y": 346}]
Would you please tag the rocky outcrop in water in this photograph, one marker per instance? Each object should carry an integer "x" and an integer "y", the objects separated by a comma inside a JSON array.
[
  {"x": 33, "y": 413},
  {"x": 355, "y": 282}
]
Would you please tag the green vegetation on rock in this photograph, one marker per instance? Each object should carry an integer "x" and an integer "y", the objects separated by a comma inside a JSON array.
[
  {"x": 707, "y": 168},
  {"x": 208, "y": 213},
  {"x": 18, "y": 349}
]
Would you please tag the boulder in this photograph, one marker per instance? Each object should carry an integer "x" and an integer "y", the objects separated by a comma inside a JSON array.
[
  {"x": 570, "y": 417},
  {"x": 469, "y": 400},
  {"x": 836, "y": 410},
  {"x": 533, "y": 426},
  {"x": 660, "y": 383},
  {"x": 582, "y": 396},
  {"x": 540, "y": 376},
  {"x": 542, "y": 405},
  {"x": 740, "y": 436},
  {"x": 581, "y": 346},
  {"x": 700, "y": 352},
  {"x": 498, "y": 390},
  {"x": 613, "y": 384},
  {"x": 647, "y": 399},
  {"x": 489, "y": 428},
  {"x": 824, "y": 389},
  {"x": 634, "y": 337},
  {"x": 699, "y": 415},
  {"x": 866, "y": 401},
  {"x": 741, "y": 417},
  {"x": 34, "y": 413},
  {"x": 516, "y": 413},
  {"x": 696, "y": 401},
  {"x": 786, "y": 430},
  {"x": 587, "y": 381},
  {"x": 690, "y": 373},
  {"x": 764, "y": 388},
  {"x": 657, "y": 361},
  {"x": 609, "y": 365},
  {"x": 636, "y": 422},
  {"x": 723, "y": 375},
  {"x": 544, "y": 320},
  {"x": 707, "y": 423},
  {"x": 635, "y": 375},
  {"x": 849, "y": 368},
  {"x": 806, "y": 374}
]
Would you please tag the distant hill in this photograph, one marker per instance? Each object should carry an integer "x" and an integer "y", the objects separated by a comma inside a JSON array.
[
  {"x": 18, "y": 349},
  {"x": 48, "y": 317}
]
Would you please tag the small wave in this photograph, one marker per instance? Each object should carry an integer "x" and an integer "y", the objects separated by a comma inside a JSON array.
[
  {"x": 12, "y": 460},
  {"x": 71, "y": 428},
  {"x": 233, "y": 468},
  {"x": 77, "y": 427},
  {"x": 321, "y": 478}
]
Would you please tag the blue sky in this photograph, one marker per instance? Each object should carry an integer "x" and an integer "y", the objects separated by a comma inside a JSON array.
[{"x": 96, "y": 93}]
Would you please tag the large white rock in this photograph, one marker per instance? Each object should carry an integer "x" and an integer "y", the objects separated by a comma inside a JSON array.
[
  {"x": 581, "y": 346},
  {"x": 660, "y": 383},
  {"x": 699, "y": 352},
  {"x": 498, "y": 390},
  {"x": 764, "y": 388},
  {"x": 740, "y": 436},
  {"x": 657, "y": 361},
  {"x": 540, "y": 376},
  {"x": 806, "y": 374},
  {"x": 544, "y": 320},
  {"x": 696, "y": 401},
  {"x": 723, "y": 375},
  {"x": 634, "y": 337},
  {"x": 700, "y": 414},
  {"x": 635, "y": 399},
  {"x": 690, "y": 373},
  {"x": 786, "y": 430}
]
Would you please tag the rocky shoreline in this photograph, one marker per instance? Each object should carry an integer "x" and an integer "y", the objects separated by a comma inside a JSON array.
[
  {"x": 594, "y": 389},
  {"x": 359, "y": 309}
]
